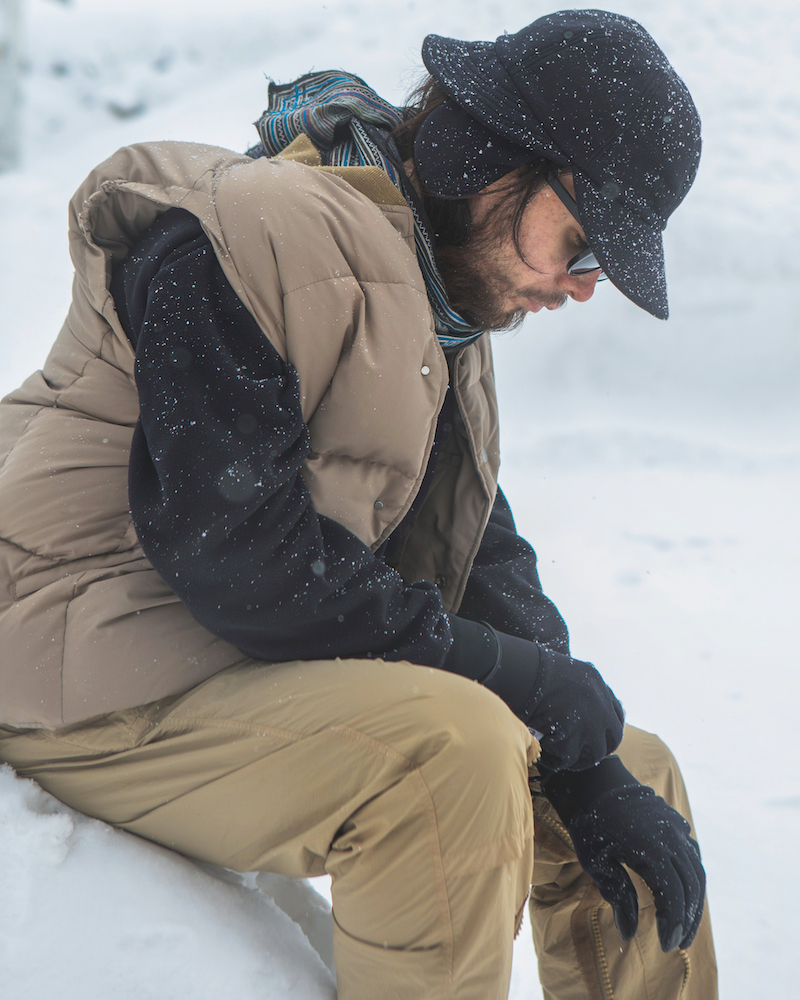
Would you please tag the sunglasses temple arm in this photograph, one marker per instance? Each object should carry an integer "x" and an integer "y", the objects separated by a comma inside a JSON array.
[{"x": 564, "y": 195}]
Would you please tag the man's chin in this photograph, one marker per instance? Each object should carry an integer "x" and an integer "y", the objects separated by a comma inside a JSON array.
[
  {"x": 513, "y": 321},
  {"x": 494, "y": 323},
  {"x": 495, "y": 320}
]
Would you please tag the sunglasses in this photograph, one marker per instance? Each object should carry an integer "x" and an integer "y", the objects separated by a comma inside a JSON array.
[{"x": 585, "y": 261}]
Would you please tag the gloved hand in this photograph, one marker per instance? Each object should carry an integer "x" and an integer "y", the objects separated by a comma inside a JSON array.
[
  {"x": 614, "y": 820},
  {"x": 577, "y": 713},
  {"x": 565, "y": 700}
]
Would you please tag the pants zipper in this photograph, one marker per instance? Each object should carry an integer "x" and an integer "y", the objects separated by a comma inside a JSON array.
[
  {"x": 599, "y": 954},
  {"x": 687, "y": 975}
]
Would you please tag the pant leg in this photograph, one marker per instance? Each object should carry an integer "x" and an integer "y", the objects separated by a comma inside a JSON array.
[
  {"x": 407, "y": 785},
  {"x": 581, "y": 956}
]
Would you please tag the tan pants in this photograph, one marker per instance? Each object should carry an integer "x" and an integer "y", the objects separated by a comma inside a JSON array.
[
  {"x": 581, "y": 956},
  {"x": 409, "y": 787}
]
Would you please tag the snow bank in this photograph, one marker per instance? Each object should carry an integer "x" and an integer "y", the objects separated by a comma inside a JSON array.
[
  {"x": 656, "y": 467},
  {"x": 89, "y": 911}
]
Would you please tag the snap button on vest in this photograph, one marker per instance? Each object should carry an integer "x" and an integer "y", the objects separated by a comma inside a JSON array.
[
  {"x": 425, "y": 370},
  {"x": 378, "y": 505}
]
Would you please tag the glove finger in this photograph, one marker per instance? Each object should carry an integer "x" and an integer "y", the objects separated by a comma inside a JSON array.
[
  {"x": 670, "y": 898},
  {"x": 692, "y": 876},
  {"x": 691, "y": 934},
  {"x": 616, "y": 888},
  {"x": 613, "y": 739},
  {"x": 689, "y": 869},
  {"x": 614, "y": 735},
  {"x": 562, "y": 754},
  {"x": 669, "y": 936},
  {"x": 600, "y": 746},
  {"x": 700, "y": 903}
]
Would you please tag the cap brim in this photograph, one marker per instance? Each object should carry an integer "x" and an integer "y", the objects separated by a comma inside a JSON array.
[{"x": 630, "y": 250}]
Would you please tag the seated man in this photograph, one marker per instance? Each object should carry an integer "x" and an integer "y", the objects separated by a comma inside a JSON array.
[{"x": 262, "y": 600}]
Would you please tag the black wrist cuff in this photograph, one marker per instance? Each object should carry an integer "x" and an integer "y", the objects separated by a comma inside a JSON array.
[
  {"x": 475, "y": 651},
  {"x": 571, "y": 792},
  {"x": 517, "y": 672},
  {"x": 504, "y": 663}
]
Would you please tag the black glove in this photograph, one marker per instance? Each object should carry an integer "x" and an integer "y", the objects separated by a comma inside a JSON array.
[
  {"x": 577, "y": 713},
  {"x": 565, "y": 700},
  {"x": 613, "y": 820}
]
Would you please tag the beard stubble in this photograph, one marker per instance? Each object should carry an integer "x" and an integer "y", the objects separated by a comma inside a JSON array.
[{"x": 475, "y": 277}]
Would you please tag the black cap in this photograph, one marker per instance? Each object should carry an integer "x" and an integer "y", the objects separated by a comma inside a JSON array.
[{"x": 584, "y": 88}]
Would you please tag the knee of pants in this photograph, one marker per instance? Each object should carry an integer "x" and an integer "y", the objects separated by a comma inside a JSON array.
[
  {"x": 472, "y": 753},
  {"x": 464, "y": 721},
  {"x": 458, "y": 792},
  {"x": 650, "y": 760}
]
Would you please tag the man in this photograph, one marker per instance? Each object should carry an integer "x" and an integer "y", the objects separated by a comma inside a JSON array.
[{"x": 254, "y": 551}]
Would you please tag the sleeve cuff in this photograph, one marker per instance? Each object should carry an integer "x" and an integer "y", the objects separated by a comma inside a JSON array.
[{"x": 504, "y": 663}]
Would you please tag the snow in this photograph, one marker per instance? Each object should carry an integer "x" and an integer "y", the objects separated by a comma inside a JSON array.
[
  {"x": 126, "y": 918},
  {"x": 656, "y": 467}
]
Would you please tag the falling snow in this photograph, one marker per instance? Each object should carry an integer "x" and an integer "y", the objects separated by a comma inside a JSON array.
[{"x": 655, "y": 467}]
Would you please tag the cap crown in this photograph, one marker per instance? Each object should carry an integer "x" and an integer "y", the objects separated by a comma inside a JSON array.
[{"x": 592, "y": 90}]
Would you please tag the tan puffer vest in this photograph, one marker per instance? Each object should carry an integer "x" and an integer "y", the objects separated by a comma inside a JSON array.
[{"x": 87, "y": 626}]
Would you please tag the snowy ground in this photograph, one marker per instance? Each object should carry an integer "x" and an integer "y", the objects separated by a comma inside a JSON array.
[{"x": 655, "y": 466}]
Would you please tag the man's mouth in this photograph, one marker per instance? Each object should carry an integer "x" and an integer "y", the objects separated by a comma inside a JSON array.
[{"x": 536, "y": 305}]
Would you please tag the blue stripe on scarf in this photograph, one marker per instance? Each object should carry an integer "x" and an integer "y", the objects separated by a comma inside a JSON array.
[{"x": 317, "y": 105}]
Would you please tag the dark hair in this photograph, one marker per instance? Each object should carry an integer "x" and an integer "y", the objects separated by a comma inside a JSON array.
[{"x": 451, "y": 218}]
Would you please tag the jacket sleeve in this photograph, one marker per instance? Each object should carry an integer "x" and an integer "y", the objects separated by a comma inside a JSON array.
[
  {"x": 221, "y": 507},
  {"x": 504, "y": 589},
  {"x": 216, "y": 491}
]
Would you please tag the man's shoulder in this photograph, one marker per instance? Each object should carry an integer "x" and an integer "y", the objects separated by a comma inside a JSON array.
[
  {"x": 320, "y": 221},
  {"x": 351, "y": 217},
  {"x": 287, "y": 187}
]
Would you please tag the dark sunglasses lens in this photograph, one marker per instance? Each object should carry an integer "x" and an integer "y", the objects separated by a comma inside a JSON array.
[{"x": 585, "y": 263}]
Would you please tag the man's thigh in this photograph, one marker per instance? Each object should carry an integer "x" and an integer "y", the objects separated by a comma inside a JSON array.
[
  {"x": 408, "y": 785},
  {"x": 261, "y": 765}
]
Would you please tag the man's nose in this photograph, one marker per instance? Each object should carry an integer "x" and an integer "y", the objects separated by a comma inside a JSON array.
[{"x": 580, "y": 287}]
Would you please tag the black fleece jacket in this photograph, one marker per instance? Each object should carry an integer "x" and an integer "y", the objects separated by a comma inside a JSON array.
[{"x": 224, "y": 515}]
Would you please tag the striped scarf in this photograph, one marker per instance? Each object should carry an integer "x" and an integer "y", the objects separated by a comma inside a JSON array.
[{"x": 337, "y": 111}]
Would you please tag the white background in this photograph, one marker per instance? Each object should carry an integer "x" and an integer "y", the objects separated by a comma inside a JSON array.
[{"x": 655, "y": 467}]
